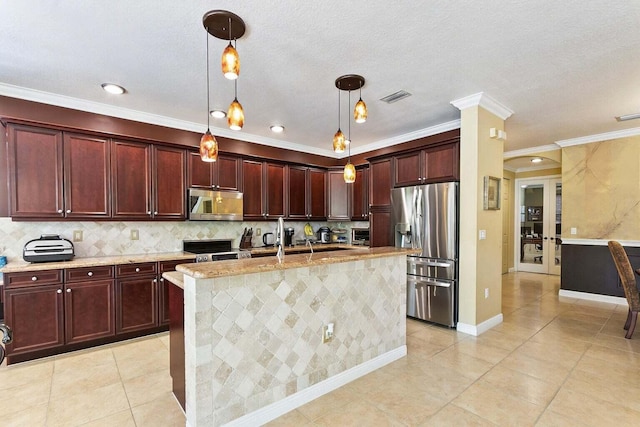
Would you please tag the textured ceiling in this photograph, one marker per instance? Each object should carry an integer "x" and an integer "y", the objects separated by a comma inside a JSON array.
[{"x": 564, "y": 68}]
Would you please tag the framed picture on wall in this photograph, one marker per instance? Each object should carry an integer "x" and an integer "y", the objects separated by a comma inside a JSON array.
[
  {"x": 491, "y": 193},
  {"x": 534, "y": 213}
]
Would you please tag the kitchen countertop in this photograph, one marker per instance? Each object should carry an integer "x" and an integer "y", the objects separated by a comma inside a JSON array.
[
  {"x": 18, "y": 266},
  {"x": 272, "y": 250},
  {"x": 207, "y": 270}
]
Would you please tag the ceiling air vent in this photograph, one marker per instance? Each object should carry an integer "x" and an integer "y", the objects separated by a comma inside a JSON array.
[{"x": 396, "y": 96}]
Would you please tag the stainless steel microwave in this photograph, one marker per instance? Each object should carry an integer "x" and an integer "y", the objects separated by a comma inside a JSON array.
[{"x": 208, "y": 205}]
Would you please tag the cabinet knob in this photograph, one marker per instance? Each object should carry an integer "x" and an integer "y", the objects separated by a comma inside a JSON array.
[
  {"x": 59, "y": 210},
  {"x": 155, "y": 213},
  {"x": 90, "y": 273},
  {"x": 68, "y": 290},
  {"x": 155, "y": 280},
  {"x": 68, "y": 210},
  {"x": 162, "y": 279},
  {"x": 59, "y": 291},
  {"x": 137, "y": 270},
  {"x": 34, "y": 278},
  {"x": 148, "y": 212}
]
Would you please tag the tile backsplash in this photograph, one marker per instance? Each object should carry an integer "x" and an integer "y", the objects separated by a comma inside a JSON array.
[{"x": 109, "y": 238}]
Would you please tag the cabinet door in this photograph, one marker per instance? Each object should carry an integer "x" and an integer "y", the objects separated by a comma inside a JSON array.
[
  {"x": 408, "y": 169},
  {"x": 35, "y": 315},
  {"x": 380, "y": 227},
  {"x": 136, "y": 304},
  {"x": 169, "y": 183},
  {"x": 338, "y": 196},
  {"x": 163, "y": 288},
  {"x": 86, "y": 176},
  {"x": 35, "y": 172},
  {"x": 89, "y": 311},
  {"x": 200, "y": 173},
  {"x": 317, "y": 194},
  {"x": 252, "y": 181},
  {"x": 297, "y": 192},
  {"x": 227, "y": 173},
  {"x": 442, "y": 163},
  {"x": 380, "y": 182},
  {"x": 360, "y": 196},
  {"x": 275, "y": 190},
  {"x": 131, "y": 180}
]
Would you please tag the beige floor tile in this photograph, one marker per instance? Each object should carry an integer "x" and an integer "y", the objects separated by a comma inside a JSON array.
[
  {"x": 547, "y": 371},
  {"x": 134, "y": 366},
  {"x": 452, "y": 415},
  {"x": 463, "y": 364},
  {"x": 357, "y": 414},
  {"x": 334, "y": 400},
  {"x": 34, "y": 416},
  {"x": 606, "y": 388},
  {"x": 25, "y": 396},
  {"x": 550, "y": 352},
  {"x": 497, "y": 406},
  {"x": 86, "y": 378},
  {"x": 25, "y": 373},
  {"x": 612, "y": 355},
  {"x": 481, "y": 351},
  {"x": 520, "y": 385},
  {"x": 554, "y": 419},
  {"x": 88, "y": 406},
  {"x": 420, "y": 348},
  {"x": 120, "y": 419},
  {"x": 590, "y": 411},
  {"x": 164, "y": 411},
  {"x": 83, "y": 359},
  {"x": 619, "y": 343},
  {"x": 146, "y": 388},
  {"x": 138, "y": 347},
  {"x": 293, "y": 418}
]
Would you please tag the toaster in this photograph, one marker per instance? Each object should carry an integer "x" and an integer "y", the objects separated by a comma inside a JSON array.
[{"x": 49, "y": 247}]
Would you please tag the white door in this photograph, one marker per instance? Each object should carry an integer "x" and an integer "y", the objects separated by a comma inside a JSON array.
[{"x": 538, "y": 225}]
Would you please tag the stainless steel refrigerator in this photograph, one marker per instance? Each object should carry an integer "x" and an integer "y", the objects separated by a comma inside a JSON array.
[{"x": 426, "y": 217}]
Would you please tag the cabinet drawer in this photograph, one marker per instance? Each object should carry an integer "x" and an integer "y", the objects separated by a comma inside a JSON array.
[
  {"x": 165, "y": 266},
  {"x": 33, "y": 278},
  {"x": 88, "y": 273},
  {"x": 139, "y": 269}
]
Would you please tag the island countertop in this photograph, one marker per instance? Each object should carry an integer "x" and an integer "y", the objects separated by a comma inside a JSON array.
[{"x": 208, "y": 270}]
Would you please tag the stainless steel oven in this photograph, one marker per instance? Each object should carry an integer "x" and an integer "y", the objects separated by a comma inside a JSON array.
[{"x": 213, "y": 250}]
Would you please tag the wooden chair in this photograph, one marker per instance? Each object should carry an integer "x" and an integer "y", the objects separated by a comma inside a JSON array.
[{"x": 625, "y": 271}]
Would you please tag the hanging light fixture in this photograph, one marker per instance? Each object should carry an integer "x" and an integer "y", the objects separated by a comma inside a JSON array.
[
  {"x": 349, "y": 170},
  {"x": 225, "y": 25},
  {"x": 208, "y": 143},
  {"x": 339, "y": 143},
  {"x": 360, "y": 110}
]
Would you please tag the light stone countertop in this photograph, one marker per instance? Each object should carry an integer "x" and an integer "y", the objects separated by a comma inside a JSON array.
[
  {"x": 175, "y": 277},
  {"x": 320, "y": 247},
  {"x": 18, "y": 266},
  {"x": 208, "y": 270}
]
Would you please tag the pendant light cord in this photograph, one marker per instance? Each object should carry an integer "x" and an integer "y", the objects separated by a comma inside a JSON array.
[
  {"x": 338, "y": 108},
  {"x": 349, "y": 157},
  {"x": 208, "y": 107}
]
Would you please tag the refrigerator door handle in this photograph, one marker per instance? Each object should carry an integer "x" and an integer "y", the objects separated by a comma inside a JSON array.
[
  {"x": 429, "y": 300},
  {"x": 429, "y": 281},
  {"x": 433, "y": 263}
]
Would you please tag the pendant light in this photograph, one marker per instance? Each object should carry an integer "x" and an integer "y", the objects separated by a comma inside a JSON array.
[
  {"x": 349, "y": 170},
  {"x": 225, "y": 25},
  {"x": 360, "y": 110},
  {"x": 339, "y": 143},
  {"x": 208, "y": 143}
]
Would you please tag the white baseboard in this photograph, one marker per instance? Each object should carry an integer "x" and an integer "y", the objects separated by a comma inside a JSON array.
[
  {"x": 281, "y": 407},
  {"x": 476, "y": 330},
  {"x": 593, "y": 297}
]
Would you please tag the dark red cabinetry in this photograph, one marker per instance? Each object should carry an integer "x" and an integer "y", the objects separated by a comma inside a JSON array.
[
  {"x": 433, "y": 164},
  {"x": 306, "y": 193},
  {"x": 223, "y": 174}
]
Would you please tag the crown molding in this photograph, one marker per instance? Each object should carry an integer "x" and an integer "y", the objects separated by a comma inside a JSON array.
[
  {"x": 607, "y": 136},
  {"x": 529, "y": 151},
  {"x": 485, "y": 101}
]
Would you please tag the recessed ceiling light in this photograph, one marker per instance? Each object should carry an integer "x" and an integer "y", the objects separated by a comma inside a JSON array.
[
  {"x": 277, "y": 128},
  {"x": 218, "y": 114},
  {"x": 113, "y": 88},
  {"x": 536, "y": 160},
  {"x": 628, "y": 117}
]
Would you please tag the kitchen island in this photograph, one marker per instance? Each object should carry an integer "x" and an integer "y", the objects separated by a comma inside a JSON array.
[{"x": 253, "y": 347}]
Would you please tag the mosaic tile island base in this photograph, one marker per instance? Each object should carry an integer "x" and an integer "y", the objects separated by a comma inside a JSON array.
[{"x": 252, "y": 329}]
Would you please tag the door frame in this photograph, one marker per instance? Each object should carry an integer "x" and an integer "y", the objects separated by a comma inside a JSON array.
[{"x": 548, "y": 252}]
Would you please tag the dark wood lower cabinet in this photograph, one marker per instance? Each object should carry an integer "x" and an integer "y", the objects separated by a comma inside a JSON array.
[
  {"x": 36, "y": 316},
  {"x": 136, "y": 304},
  {"x": 89, "y": 311}
]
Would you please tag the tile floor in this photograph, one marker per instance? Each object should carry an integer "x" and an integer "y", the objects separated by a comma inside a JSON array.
[{"x": 552, "y": 362}]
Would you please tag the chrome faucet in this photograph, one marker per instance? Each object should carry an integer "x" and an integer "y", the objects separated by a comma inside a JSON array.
[{"x": 280, "y": 239}]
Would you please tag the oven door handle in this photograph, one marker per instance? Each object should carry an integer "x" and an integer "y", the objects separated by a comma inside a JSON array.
[
  {"x": 433, "y": 263},
  {"x": 429, "y": 281}
]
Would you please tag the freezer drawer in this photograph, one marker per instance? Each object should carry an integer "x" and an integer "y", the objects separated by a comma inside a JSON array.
[
  {"x": 431, "y": 267},
  {"x": 432, "y": 300}
]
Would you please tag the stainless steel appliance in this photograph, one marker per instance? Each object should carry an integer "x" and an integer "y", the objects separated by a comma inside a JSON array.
[
  {"x": 426, "y": 217},
  {"x": 288, "y": 236},
  {"x": 360, "y": 236},
  {"x": 324, "y": 235},
  {"x": 208, "y": 205},
  {"x": 49, "y": 247},
  {"x": 213, "y": 250},
  {"x": 269, "y": 239}
]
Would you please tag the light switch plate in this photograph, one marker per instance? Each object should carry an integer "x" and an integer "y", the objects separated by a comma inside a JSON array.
[
  {"x": 135, "y": 235},
  {"x": 482, "y": 234},
  {"x": 574, "y": 230}
]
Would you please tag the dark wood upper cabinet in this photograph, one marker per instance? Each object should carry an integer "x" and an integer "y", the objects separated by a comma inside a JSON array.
[
  {"x": 275, "y": 190},
  {"x": 359, "y": 195},
  {"x": 35, "y": 172},
  {"x": 306, "y": 193},
  {"x": 380, "y": 182},
  {"x": 253, "y": 184},
  {"x": 338, "y": 196},
  {"x": 432, "y": 164},
  {"x": 223, "y": 174},
  {"x": 87, "y": 189},
  {"x": 131, "y": 177},
  {"x": 169, "y": 183}
]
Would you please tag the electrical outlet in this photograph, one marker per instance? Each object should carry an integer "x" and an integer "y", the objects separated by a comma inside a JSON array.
[
  {"x": 77, "y": 235},
  {"x": 135, "y": 235},
  {"x": 327, "y": 333},
  {"x": 486, "y": 293},
  {"x": 574, "y": 230},
  {"x": 258, "y": 231}
]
